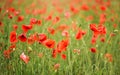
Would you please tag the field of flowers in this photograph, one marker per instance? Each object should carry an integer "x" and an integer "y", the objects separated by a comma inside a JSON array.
[{"x": 59, "y": 37}]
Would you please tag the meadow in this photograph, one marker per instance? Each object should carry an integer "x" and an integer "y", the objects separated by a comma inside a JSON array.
[{"x": 60, "y": 37}]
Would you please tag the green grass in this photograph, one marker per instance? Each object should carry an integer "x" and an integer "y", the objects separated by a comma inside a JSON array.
[{"x": 85, "y": 63}]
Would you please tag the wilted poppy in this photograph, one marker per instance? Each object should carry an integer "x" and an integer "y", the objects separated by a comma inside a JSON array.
[
  {"x": 24, "y": 58},
  {"x": 40, "y": 55},
  {"x": 109, "y": 57},
  {"x": 76, "y": 51},
  {"x": 56, "y": 66}
]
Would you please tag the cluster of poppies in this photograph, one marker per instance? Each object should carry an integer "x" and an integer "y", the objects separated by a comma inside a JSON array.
[{"x": 98, "y": 29}]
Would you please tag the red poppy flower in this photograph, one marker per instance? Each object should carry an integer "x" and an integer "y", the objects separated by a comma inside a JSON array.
[
  {"x": 49, "y": 43},
  {"x": 62, "y": 27},
  {"x": 49, "y": 17},
  {"x": 59, "y": 9},
  {"x": 1, "y": 24},
  {"x": 56, "y": 19},
  {"x": 65, "y": 33},
  {"x": 93, "y": 50},
  {"x": 103, "y": 8},
  {"x": 12, "y": 46},
  {"x": 115, "y": 25},
  {"x": 42, "y": 37},
  {"x": 93, "y": 27},
  {"x": 67, "y": 14},
  {"x": 93, "y": 40},
  {"x": 78, "y": 35},
  {"x": 89, "y": 18},
  {"x": 39, "y": 22},
  {"x": 11, "y": 9},
  {"x": 73, "y": 9},
  {"x": 51, "y": 30},
  {"x": 25, "y": 28},
  {"x": 16, "y": 13},
  {"x": 102, "y": 39},
  {"x": 102, "y": 19},
  {"x": 10, "y": 16},
  {"x": 7, "y": 53},
  {"x": 33, "y": 21},
  {"x": 35, "y": 36},
  {"x": 22, "y": 38},
  {"x": 0, "y": 10},
  {"x": 54, "y": 53},
  {"x": 62, "y": 45},
  {"x": 108, "y": 3},
  {"x": 112, "y": 34},
  {"x": 85, "y": 7},
  {"x": 27, "y": 11},
  {"x": 30, "y": 40},
  {"x": 63, "y": 56},
  {"x": 15, "y": 27},
  {"x": 20, "y": 18},
  {"x": 42, "y": 11},
  {"x": 102, "y": 29},
  {"x": 24, "y": 58},
  {"x": 13, "y": 37},
  {"x": 10, "y": 1}
]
